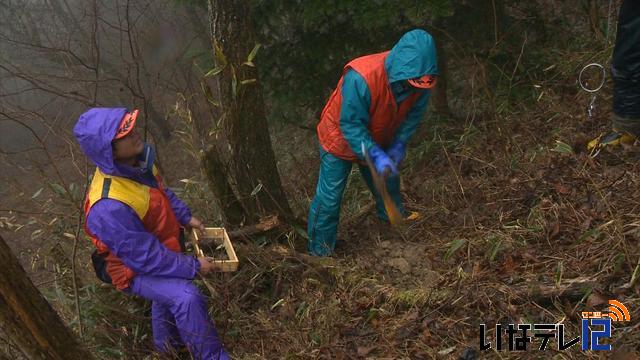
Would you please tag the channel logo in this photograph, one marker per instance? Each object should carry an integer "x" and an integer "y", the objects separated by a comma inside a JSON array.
[
  {"x": 617, "y": 311},
  {"x": 594, "y": 325}
]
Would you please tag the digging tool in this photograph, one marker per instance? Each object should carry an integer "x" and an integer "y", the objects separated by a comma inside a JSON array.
[{"x": 380, "y": 183}]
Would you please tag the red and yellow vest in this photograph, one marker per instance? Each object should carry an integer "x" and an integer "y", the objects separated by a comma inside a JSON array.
[
  {"x": 385, "y": 116},
  {"x": 150, "y": 204}
]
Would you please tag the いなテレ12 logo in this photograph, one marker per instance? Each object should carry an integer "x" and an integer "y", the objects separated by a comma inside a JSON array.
[{"x": 595, "y": 326}]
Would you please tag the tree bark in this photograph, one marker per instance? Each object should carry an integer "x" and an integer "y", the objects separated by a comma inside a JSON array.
[
  {"x": 251, "y": 161},
  {"x": 218, "y": 177},
  {"x": 28, "y": 319},
  {"x": 440, "y": 100}
]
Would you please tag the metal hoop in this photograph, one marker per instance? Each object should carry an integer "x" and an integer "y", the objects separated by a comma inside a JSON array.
[{"x": 601, "y": 83}]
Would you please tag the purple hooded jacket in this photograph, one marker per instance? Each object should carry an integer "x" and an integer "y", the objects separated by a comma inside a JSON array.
[{"x": 115, "y": 223}]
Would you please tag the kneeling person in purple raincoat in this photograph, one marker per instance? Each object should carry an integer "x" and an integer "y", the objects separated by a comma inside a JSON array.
[{"x": 135, "y": 224}]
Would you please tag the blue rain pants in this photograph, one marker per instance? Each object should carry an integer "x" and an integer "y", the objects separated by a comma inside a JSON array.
[{"x": 324, "y": 213}]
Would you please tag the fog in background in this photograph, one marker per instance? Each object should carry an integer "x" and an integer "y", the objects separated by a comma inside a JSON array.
[{"x": 60, "y": 57}]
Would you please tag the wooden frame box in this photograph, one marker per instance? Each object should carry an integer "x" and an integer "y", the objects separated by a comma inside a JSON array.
[{"x": 218, "y": 236}]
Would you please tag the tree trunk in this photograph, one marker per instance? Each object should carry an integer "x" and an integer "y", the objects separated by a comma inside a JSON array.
[
  {"x": 251, "y": 161},
  {"x": 218, "y": 177},
  {"x": 203, "y": 110},
  {"x": 440, "y": 101},
  {"x": 28, "y": 319}
]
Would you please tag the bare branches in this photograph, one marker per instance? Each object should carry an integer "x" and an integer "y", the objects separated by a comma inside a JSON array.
[
  {"x": 46, "y": 151},
  {"x": 45, "y": 86},
  {"x": 48, "y": 49},
  {"x": 96, "y": 52}
]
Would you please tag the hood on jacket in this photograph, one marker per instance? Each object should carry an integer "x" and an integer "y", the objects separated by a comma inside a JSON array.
[
  {"x": 95, "y": 130},
  {"x": 413, "y": 56}
]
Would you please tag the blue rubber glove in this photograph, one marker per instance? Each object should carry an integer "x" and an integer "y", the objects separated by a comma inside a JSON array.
[
  {"x": 382, "y": 162},
  {"x": 397, "y": 152}
]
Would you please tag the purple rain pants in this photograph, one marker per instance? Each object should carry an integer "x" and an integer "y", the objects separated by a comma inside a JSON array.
[{"x": 179, "y": 316}]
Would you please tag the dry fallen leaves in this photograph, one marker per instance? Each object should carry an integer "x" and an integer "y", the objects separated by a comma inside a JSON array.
[
  {"x": 594, "y": 300},
  {"x": 562, "y": 189},
  {"x": 365, "y": 350}
]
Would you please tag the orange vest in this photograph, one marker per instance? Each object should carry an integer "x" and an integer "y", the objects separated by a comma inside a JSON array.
[
  {"x": 384, "y": 115},
  {"x": 150, "y": 204}
]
